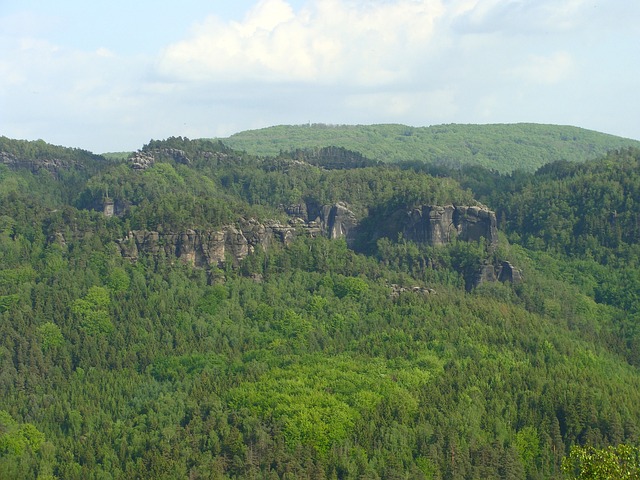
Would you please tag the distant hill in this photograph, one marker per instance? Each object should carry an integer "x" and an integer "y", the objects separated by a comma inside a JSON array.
[
  {"x": 502, "y": 147},
  {"x": 38, "y": 154}
]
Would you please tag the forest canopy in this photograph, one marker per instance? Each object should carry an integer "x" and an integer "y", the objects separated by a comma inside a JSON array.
[
  {"x": 131, "y": 348},
  {"x": 500, "y": 147}
]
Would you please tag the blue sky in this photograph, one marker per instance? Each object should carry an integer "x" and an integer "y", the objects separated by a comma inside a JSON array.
[{"x": 111, "y": 75}]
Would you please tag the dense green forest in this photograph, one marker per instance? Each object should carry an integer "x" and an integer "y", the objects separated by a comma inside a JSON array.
[
  {"x": 501, "y": 147},
  {"x": 309, "y": 356}
]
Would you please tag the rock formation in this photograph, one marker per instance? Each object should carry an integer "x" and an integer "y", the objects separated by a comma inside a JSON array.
[
  {"x": 397, "y": 290},
  {"x": 439, "y": 225},
  {"x": 435, "y": 225},
  {"x": 337, "y": 221},
  {"x": 297, "y": 210},
  {"x": 505, "y": 272},
  {"x": 108, "y": 207},
  {"x": 234, "y": 242},
  {"x": 508, "y": 273},
  {"x": 487, "y": 273},
  {"x": 143, "y": 159},
  {"x": 200, "y": 249},
  {"x": 50, "y": 164}
]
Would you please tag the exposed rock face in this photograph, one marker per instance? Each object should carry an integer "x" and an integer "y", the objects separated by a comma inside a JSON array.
[
  {"x": 505, "y": 272},
  {"x": 331, "y": 221},
  {"x": 50, "y": 164},
  {"x": 397, "y": 290},
  {"x": 108, "y": 208},
  {"x": 508, "y": 273},
  {"x": 435, "y": 225},
  {"x": 198, "y": 248},
  {"x": 297, "y": 210},
  {"x": 234, "y": 242},
  {"x": 439, "y": 225},
  {"x": 142, "y": 160},
  {"x": 211, "y": 248},
  {"x": 337, "y": 221},
  {"x": 178, "y": 155},
  {"x": 487, "y": 273}
]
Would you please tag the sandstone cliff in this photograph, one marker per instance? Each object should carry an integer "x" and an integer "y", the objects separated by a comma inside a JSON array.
[
  {"x": 337, "y": 221},
  {"x": 51, "y": 164},
  {"x": 439, "y": 225},
  {"x": 206, "y": 248},
  {"x": 435, "y": 225},
  {"x": 231, "y": 243},
  {"x": 143, "y": 159},
  {"x": 504, "y": 272}
]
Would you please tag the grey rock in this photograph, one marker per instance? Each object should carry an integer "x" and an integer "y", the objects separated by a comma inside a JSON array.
[
  {"x": 34, "y": 165},
  {"x": 108, "y": 208},
  {"x": 397, "y": 290},
  {"x": 297, "y": 210},
  {"x": 337, "y": 221},
  {"x": 436, "y": 225},
  {"x": 508, "y": 273},
  {"x": 487, "y": 273},
  {"x": 505, "y": 272},
  {"x": 143, "y": 159},
  {"x": 439, "y": 225}
]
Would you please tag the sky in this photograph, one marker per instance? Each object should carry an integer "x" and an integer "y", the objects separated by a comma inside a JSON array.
[{"x": 110, "y": 75}]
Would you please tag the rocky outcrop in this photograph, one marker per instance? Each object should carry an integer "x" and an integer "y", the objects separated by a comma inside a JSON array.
[
  {"x": 508, "y": 273},
  {"x": 143, "y": 159},
  {"x": 504, "y": 272},
  {"x": 435, "y": 225},
  {"x": 487, "y": 273},
  {"x": 297, "y": 210},
  {"x": 337, "y": 221},
  {"x": 108, "y": 207},
  {"x": 200, "y": 249},
  {"x": 234, "y": 242},
  {"x": 439, "y": 225},
  {"x": 397, "y": 290},
  {"x": 206, "y": 248},
  {"x": 34, "y": 165}
]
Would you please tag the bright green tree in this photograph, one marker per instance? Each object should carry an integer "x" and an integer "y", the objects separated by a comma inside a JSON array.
[
  {"x": 50, "y": 335},
  {"x": 612, "y": 463}
]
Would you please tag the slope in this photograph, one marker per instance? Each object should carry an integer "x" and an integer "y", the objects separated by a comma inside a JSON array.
[
  {"x": 298, "y": 361},
  {"x": 502, "y": 147}
]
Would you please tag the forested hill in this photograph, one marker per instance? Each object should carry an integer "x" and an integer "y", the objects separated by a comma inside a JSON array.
[
  {"x": 502, "y": 147},
  {"x": 191, "y": 311}
]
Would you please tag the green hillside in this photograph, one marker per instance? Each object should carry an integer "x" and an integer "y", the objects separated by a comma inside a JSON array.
[
  {"x": 141, "y": 338},
  {"x": 502, "y": 147}
]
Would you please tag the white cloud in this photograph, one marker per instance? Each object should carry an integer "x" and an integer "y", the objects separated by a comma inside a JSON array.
[
  {"x": 518, "y": 16},
  {"x": 547, "y": 70},
  {"x": 439, "y": 104},
  {"x": 105, "y": 52},
  {"x": 327, "y": 41},
  {"x": 418, "y": 62}
]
